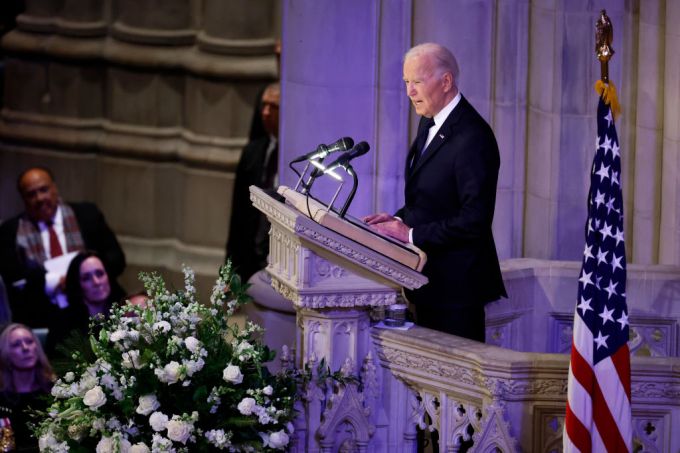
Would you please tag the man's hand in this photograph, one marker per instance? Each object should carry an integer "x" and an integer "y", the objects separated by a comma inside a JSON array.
[
  {"x": 394, "y": 228},
  {"x": 373, "y": 219}
]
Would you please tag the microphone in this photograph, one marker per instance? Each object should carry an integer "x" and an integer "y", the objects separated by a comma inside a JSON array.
[
  {"x": 322, "y": 150},
  {"x": 342, "y": 161}
]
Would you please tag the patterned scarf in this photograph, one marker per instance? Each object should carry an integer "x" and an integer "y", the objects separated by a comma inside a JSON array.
[{"x": 28, "y": 235}]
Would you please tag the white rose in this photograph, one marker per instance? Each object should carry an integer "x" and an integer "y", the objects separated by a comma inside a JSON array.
[
  {"x": 70, "y": 376},
  {"x": 131, "y": 359},
  {"x": 158, "y": 421},
  {"x": 124, "y": 446},
  {"x": 170, "y": 373},
  {"x": 268, "y": 390},
  {"x": 139, "y": 448},
  {"x": 162, "y": 326},
  {"x": 232, "y": 374},
  {"x": 94, "y": 398},
  {"x": 279, "y": 439},
  {"x": 179, "y": 431},
  {"x": 243, "y": 347},
  {"x": 117, "y": 335},
  {"x": 105, "y": 445},
  {"x": 246, "y": 406},
  {"x": 192, "y": 344},
  {"x": 46, "y": 441},
  {"x": 147, "y": 404},
  {"x": 111, "y": 445}
]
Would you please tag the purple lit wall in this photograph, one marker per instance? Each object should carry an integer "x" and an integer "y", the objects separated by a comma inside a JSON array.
[{"x": 529, "y": 68}]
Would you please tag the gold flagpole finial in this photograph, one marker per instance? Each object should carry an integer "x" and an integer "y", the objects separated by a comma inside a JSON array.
[{"x": 604, "y": 34}]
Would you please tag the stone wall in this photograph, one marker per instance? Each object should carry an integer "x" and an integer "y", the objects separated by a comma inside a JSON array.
[{"x": 143, "y": 107}]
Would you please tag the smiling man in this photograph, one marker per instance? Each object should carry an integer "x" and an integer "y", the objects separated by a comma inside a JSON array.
[
  {"x": 450, "y": 194},
  {"x": 48, "y": 229}
]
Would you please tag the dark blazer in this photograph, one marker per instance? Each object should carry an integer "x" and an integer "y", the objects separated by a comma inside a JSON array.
[
  {"x": 248, "y": 244},
  {"x": 450, "y": 197},
  {"x": 30, "y": 305}
]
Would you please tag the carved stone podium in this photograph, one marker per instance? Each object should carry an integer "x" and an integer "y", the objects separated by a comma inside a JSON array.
[{"x": 333, "y": 283}]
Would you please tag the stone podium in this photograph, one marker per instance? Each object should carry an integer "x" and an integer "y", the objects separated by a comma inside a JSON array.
[{"x": 333, "y": 282}]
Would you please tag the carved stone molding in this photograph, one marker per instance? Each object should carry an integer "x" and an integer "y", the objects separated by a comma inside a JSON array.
[
  {"x": 263, "y": 46},
  {"x": 59, "y": 25},
  {"x": 493, "y": 434},
  {"x": 358, "y": 256},
  {"x": 409, "y": 361},
  {"x": 285, "y": 290},
  {"x": 85, "y": 43},
  {"x": 272, "y": 211},
  {"x": 104, "y": 136},
  {"x": 520, "y": 388},
  {"x": 318, "y": 300},
  {"x": 147, "y": 36},
  {"x": 345, "y": 407},
  {"x": 662, "y": 392}
]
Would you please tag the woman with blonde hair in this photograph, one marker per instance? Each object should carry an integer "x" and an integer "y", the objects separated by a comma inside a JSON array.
[{"x": 25, "y": 377}]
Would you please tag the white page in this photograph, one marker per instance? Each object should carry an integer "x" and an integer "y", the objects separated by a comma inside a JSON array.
[{"x": 59, "y": 264}]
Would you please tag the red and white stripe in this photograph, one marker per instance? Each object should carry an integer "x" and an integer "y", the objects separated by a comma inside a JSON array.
[{"x": 598, "y": 417}]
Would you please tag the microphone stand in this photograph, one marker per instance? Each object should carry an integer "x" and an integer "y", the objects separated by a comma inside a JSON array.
[
  {"x": 299, "y": 181},
  {"x": 306, "y": 186},
  {"x": 355, "y": 182}
]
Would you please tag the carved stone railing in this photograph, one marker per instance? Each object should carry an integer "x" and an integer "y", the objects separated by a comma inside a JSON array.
[{"x": 514, "y": 401}]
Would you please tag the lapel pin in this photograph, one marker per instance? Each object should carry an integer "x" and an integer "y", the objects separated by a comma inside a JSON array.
[{"x": 441, "y": 136}]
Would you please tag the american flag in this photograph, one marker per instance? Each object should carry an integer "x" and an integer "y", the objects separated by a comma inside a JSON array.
[{"x": 598, "y": 416}]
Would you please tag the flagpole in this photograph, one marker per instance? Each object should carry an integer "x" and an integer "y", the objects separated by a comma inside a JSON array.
[{"x": 598, "y": 415}]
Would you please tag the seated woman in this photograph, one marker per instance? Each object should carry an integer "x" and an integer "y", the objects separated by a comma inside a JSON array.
[
  {"x": 25, "y": 376},
  {"x": 89, "y": 292}
]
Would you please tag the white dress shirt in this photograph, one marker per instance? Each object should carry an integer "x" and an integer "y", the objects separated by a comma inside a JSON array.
[{"x": 52, "y": 278}]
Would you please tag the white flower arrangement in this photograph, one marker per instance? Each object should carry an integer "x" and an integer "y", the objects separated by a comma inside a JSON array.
[{"x": 174, "y": 376}]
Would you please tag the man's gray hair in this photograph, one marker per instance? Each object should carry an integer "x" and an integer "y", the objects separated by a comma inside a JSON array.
[{"x": 441, "y": 56}]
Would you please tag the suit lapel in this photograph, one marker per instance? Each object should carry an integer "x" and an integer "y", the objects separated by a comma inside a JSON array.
[{"x": 442, "y": 136}]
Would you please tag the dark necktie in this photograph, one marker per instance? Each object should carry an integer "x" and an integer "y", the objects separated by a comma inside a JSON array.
[
  {"x": 270, "y": 168},
  {"x": 55, "y": 246},
  {"x": 421, "y": 139}
]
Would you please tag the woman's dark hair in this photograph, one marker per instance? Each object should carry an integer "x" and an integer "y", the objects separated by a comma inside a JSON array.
[{"x": 74, "y": 292}]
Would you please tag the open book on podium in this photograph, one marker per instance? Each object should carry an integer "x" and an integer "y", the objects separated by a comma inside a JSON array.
[{"x": 407, "y": 254}]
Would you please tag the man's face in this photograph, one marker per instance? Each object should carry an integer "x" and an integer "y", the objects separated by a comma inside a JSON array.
[
  {"x": 270, "y": 112},
  {"x": 40, "y": 195},
  {"x": 426, "y": 89}
]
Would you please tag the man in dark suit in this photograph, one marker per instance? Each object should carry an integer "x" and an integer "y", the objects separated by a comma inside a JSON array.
[
  {"x": 248, "y": 243},
  {"x": 450, "y": 194},
  {"x": 49, "y": 228}
]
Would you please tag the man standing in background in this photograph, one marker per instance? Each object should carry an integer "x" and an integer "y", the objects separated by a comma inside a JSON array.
[{"x": 248, "y": 243}]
